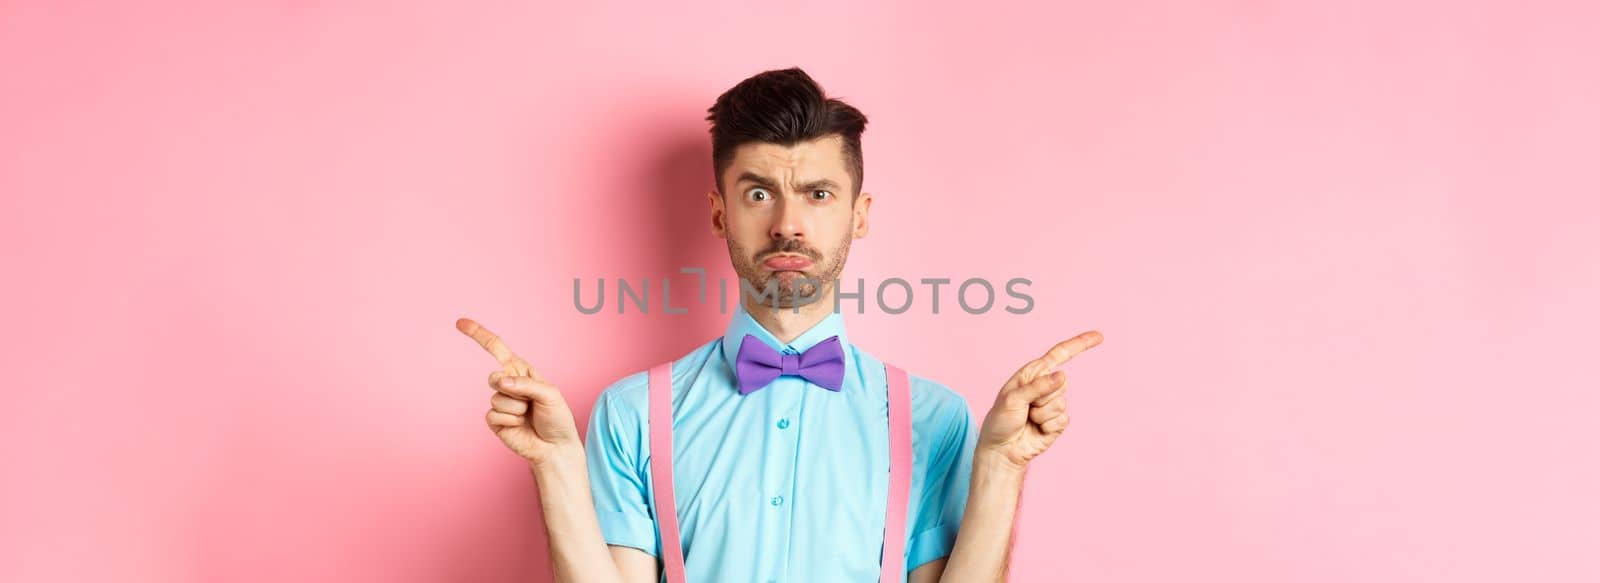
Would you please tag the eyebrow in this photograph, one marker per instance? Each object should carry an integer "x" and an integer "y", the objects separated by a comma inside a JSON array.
[{"x": 762, "y": 181}]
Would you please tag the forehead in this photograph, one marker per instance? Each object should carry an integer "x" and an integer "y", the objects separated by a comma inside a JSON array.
[{"x": 804, "y": 161}]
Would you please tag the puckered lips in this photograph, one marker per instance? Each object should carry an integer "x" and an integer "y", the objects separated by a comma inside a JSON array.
[{"x": 787, "y": 263}]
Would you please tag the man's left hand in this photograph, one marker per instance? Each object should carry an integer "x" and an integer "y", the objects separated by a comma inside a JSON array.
[{"x": 1031, "y": 410}]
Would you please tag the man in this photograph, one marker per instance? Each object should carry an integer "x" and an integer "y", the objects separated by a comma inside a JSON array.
[{"x": 785, "y": 478}]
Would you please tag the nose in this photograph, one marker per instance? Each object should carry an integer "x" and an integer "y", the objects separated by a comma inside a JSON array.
[{"x": 789, "y": 221}]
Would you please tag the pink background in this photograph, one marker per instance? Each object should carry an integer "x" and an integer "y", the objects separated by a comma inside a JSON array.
[{"x": 1344, "y": 255}]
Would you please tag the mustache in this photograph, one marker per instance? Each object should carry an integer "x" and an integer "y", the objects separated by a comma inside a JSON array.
[{"x": 790, "y": 246}]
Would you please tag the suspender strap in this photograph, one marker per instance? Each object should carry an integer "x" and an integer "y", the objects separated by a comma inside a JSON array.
[
  {"x": 661, "y": 470},
  {"x": 894, "y": 526},
  {"x": 894, "y": 530}
]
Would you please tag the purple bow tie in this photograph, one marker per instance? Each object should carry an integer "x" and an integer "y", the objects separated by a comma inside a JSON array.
[{"x": 758, "y": 364}]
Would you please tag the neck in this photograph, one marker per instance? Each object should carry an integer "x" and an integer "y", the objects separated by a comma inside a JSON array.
[{"x": 786, "y": 324}]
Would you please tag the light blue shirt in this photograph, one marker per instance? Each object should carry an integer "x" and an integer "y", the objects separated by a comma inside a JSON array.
[{"x": 788, "y": 483}]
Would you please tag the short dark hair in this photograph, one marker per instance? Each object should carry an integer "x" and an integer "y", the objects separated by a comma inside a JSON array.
[{"x": 783, "y": 107}]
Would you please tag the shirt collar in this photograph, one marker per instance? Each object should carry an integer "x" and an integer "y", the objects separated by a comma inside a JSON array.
[{"x": 743, "y": 323}]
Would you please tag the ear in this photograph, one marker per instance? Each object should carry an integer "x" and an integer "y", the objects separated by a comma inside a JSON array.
[
  {"x": 863, "y": 204},
  {"x": 719, "y": 225}
]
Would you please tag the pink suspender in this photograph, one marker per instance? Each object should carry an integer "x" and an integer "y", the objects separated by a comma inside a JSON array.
[
  {"x": 661, "y": 470},
  {"x": 894, "y": 536}
]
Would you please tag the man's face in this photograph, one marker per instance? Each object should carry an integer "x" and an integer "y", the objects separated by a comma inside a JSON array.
[{"x": 788, "y": 214}]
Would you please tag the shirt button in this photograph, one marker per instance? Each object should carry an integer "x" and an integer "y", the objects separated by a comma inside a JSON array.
[
  {"x": 777, "y": 500},
  {"x": 783, "y": 423}
]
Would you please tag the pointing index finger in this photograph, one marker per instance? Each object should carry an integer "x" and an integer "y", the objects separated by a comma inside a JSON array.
[
  {"x": 488, "y": 340},
  {"x": 1063, "y": 352}
]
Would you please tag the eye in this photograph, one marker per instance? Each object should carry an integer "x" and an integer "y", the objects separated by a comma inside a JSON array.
[
  {"x": 820, "y": 194},
  {"x": 758, "y": 194}
]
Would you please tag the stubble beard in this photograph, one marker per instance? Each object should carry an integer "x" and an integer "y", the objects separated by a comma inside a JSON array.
[{"x": 824, "y": 272}]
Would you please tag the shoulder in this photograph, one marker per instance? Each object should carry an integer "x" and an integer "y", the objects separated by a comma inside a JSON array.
[
  {"x": 630, "y": 395},
  {"x": 937, "y": 396},
  {"x": 939, "y": 408},
  {"x": 627, "y": 395},
  {"x": 931, "y": 400}
]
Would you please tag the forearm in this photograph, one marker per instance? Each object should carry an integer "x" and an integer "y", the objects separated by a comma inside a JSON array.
[
  {"x": 577, "y": 549},
  {"x": 983, "y": 545}
]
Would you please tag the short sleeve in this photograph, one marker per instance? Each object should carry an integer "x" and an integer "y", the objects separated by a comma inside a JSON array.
[
  {"x": 945, "y": 484},
  {"x": 618, "y": 476}
]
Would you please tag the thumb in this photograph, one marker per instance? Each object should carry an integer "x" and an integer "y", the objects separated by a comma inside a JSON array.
[
  {"x": 532, "y": 390},
  {"x": 1025, "y": 395}
]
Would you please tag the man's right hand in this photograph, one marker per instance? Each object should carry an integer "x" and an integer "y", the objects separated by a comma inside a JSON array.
[{"x": 527, "y": 413}]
